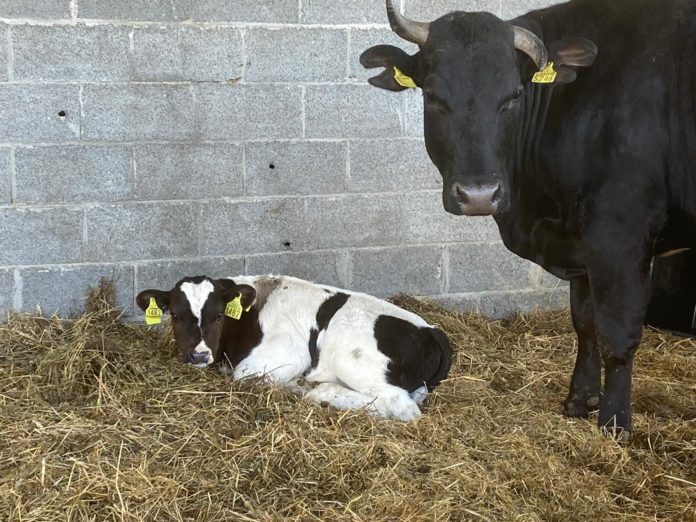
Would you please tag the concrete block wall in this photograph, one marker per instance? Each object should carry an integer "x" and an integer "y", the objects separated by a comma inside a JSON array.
[{"x": 145, "y": 140}]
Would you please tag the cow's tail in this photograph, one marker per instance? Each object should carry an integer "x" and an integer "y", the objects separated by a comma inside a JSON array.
[{"x": 440, "y": 347}]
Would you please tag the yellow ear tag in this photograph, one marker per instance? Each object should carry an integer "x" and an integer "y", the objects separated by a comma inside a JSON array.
[
  {"x": 403, "y": 80},
  {"x": 548, "y": 75},
  {"x": 153, "y": 313},
  {"x": 234, "y": 308}
]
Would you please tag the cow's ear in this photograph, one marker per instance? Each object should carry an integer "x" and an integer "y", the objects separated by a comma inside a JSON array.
[
  {"x": 161, "y": 298},
  {"x": 399, "y": 68},
  {"x": 570, "y": 53}
]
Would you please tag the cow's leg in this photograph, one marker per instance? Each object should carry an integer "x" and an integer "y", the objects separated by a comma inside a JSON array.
[
  {"x": 585, "y": 385},
  {"x": 619, "y": 278}
]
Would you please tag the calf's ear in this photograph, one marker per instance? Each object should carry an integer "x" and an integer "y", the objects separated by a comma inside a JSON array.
[
  {"x": 230, "y": 290},
  {"x": 161, "y": 298},
  {"x": 568, "y": 54},
  {"x": 399, "y": 67}
]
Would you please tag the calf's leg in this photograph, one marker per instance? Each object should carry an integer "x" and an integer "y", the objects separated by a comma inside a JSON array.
[{"x": 585, "y": 385}]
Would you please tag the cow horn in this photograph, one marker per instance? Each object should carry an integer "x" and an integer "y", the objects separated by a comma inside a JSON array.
[
  {"x": 416, "y": 32},
  {"x": 531, "y": 45}
]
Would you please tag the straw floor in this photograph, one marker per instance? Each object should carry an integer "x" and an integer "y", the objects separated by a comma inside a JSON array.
[{"x": 99, "y": 421}]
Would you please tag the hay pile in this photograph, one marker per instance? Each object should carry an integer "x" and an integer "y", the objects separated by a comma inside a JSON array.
[{"x": 100, "y": 422}]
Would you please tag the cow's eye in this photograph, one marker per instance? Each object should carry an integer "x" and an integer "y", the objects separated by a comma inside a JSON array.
[
  {"x": 437, "y": 103},
  {"x": 175, "y": 318},
  {"x": 219, "y": 317},
  {"x": 512, "y": 100}
]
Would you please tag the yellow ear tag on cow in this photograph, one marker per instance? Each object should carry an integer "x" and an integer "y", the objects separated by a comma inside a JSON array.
[
  {"x": 153, "y": 313},
  {"x": 548, "y": 75},
  {"x": 403, "y": 80},
  {"x": 234, "y": 308}
]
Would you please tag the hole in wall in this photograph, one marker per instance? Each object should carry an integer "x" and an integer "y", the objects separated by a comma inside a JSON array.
[
  {"x": 271, "y": 166},
  {"x": 61, "y": 114},
  {"x": 287, "y": 244}
]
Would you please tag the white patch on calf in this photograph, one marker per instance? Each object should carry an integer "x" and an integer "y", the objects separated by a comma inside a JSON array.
[{"x": 197, "y": 295}]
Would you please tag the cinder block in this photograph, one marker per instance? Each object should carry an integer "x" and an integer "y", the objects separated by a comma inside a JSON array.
[
  {"x": 388, "y": 219},
  {"x": 147, "y": 10},
  {"x": 138, "y": 112},
  {"x": 344, "y": 12},
  {"x": 163, "y": 275},
  {"x": 295, "y": 55},
  {"x": 484, "y": 267},
  {"x": 391, "y": 166},
  {"x": 5, "y": 181},
  {"x": 239, "y": 112},
  {"x": 35, "y": 113},
  {"x": 6, "y": 292},
  {"x": 187, "y": 53},
  {"x": 425, "y": 221},
  {"x": 3, "y": 53},
  {"x": 505, "y": 304},
  {"x": 513, "y": 8},
  {"x": 319, "y": 267},
  {"x": 35, "y": 9},
  {"x": 62, "y": 290},
  {"x": 278, "y": 168},
  {"x": 387, "y": 271},
  {"x": 141, "y": 231},
  {"x": 414, "y": 112},
  {"x": 351, "y": 111},
  {"x": 70, "y": 53},
  {"x": 40, "y": 236},
  {"x": 249, "y": 227},
  {"x": 354, "y": 221},
  {"x": 362, "y": 39},
  {"x": 188, "y": 171},
  {"x": 266, "y": 11},
  {"x": 466, "y": 303},
  {"x": 429, "y": 10},
  {"x": 72, "y": 174}
]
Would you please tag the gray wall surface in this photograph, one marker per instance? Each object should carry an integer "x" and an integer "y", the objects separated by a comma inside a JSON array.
[{"x": 145, "y": 140}]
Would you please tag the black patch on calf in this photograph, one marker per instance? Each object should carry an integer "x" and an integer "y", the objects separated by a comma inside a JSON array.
[
  {"x": 325, "y": 313},
  {"x": 329, "y": 308},
  {"x": 417, "y": 355},
  {"x": 240, "y": 336},
  {"x": 313, "y": 350}
]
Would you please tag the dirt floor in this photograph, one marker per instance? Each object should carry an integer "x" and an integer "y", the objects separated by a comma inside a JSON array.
[{"x": 99, "y": 421}]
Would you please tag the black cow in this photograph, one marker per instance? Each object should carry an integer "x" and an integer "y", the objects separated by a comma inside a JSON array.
[{"x": 589, "y": 176}]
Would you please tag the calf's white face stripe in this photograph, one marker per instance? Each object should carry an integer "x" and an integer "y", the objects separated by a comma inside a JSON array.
[{"x": 197, "y": 295}]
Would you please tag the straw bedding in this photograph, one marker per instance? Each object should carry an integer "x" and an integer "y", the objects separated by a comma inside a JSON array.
[{"x": 99, "y": 421}]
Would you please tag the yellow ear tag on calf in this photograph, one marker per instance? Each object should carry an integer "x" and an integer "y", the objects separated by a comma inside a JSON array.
[
  {"x": 548, "y": 75},
  {"x": 403, "y": 80},
  {"x": 234, "y": 308},
  {"x": 153, "y": 313}
]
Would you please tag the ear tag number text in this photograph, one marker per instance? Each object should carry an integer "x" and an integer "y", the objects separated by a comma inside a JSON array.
[{"x": 153, "y": 313}]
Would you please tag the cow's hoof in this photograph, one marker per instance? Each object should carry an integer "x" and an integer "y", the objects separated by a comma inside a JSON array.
[
  {"x": 620, "y": 434},
  {"x": 580, "y": 407},
  {"x": 576, "y": 408}
]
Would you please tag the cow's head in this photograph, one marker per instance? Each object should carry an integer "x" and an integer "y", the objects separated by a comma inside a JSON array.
[
  {"x": 197, "y": 309},
  {"x": 474, "y": 70}
]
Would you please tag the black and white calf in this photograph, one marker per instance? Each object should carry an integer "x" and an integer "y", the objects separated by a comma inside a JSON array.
[{"x": 360, "y": 351}]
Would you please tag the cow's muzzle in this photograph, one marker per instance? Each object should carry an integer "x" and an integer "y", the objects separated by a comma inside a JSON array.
[{"x": 480, "y": 200}]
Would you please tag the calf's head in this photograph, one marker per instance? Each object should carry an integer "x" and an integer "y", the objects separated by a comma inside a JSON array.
[
  {"x": 475, "y": 71},
  {"x": 197, "y": 308}
]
